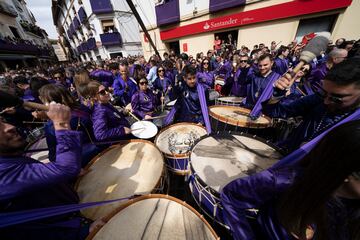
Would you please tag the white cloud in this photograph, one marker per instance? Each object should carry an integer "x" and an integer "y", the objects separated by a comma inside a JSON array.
[{"x": 43, "y": 15}]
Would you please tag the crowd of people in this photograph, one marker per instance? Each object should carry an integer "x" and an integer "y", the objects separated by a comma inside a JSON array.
[{"x": 316, "y": 198}]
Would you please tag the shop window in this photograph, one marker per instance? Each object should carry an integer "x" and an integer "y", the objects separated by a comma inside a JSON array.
[
  {"x": 228, "y": 39},
  {"x": 315, "y": 25}
]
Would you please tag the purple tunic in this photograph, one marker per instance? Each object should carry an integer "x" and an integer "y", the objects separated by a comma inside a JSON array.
[
  {"x": 124, "y": 90},
  {"x": 206, "y": 78},
  {"x": 105, "y": 77},
  {"x": 143, "y": 103},
  {"x": 317, "y": 75},
  {"x": 108, "y": 123},
  {"x": 281, "y": 65},
  {"x": 27, "y": 184}
]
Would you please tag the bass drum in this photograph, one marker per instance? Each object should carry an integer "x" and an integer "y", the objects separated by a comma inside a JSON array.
[{"x": 155, "y": 217}]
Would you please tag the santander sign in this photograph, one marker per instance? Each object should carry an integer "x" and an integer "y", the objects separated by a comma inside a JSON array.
[{"x": 219, "y": 24}]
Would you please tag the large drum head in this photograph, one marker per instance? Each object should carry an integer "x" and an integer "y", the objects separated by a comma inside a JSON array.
[
  {"x": 238, "y": 116},
  {"x": 42, "y": 156},
  {"x": 120, "y": 171},
  {"x": 219, "y": 159},
  {"x": 177, "y": 139},
  {"x": 155, "y": 217}
]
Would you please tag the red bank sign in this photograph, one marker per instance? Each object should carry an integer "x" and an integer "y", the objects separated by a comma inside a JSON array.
[{"x": 278, "y": 11}]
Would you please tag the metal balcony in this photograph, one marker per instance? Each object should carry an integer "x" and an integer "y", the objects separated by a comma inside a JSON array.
[
  {"x": 82, "y": 15},
  {"x": 167, "y": 13},
  {"x": 101, "y": 6},
  {"x": 91, "y": 44},
  {"x": 111, "y": 39},
  {"x": 218, "y": 5}
]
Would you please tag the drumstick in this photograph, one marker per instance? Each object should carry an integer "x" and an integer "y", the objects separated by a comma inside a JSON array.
[
  {"x": 28, "y": 122},
  {"x": 162, "y": 102},
  {"x": 135, "y": 129},
  {"x": 157, "y": 117},
  {"x": 136, "y": 118}
]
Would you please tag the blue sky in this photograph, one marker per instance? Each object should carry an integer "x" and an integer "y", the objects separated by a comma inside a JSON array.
[{"x": 42, "y": 13}]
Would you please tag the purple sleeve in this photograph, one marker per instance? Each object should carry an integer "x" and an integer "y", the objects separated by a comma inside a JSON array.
[
  {"x": 135, "y": 105},
  {"x": 102, "y": 131},
  {"x": 26, "y": 175},
  {"x": 118, "y": 89},
  {"x": 244, "y": 194}
]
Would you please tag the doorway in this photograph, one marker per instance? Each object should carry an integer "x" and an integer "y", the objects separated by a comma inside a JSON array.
[{"x": 174, "y": 46}]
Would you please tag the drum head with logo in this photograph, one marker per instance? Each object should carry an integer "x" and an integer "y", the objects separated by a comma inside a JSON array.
[
  {"x": 120, "y": 171},
  {"x": 155, "y": 217},
  {"x": 178, "y": 138},
  {"x": 219, "y": 159}
]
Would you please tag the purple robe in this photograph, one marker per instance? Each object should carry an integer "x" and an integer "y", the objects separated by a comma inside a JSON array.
[
  {"x": 124, "y": 90},
  {"x": 27, "y": 184},
  {"x": 317, "y": 75},
  {"x": 206, "y": 78},
  {"x": 105, "y": 77},
  {"x": 108, "y": 123},
  {"x": 281, "y": 65},
  {"x": 143, "y": 103}
]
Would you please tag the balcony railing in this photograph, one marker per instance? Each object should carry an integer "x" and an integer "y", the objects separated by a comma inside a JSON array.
[
  {"x": 82, "y": 15},
  {"x": 79, "y": 49},
  {"x": 101, "y": 6},
  {"x": 167, "y": 13},
  {"x": 91, "y": 42},
  {"x": 22, "y": 48},
  {"x": 111, "y": 39},
  {"x": 218, "y": 5},
  {"x": 84, "y": 47}
]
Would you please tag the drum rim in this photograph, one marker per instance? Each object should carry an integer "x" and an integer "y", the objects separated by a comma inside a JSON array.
[
  {"x": 120, "y": 144},
  {"x": 176, "y": 124},
  {"x": 239, "y": 123},
  {"x": 132, "y": 201},
  {"x": 224, "y": 133}
]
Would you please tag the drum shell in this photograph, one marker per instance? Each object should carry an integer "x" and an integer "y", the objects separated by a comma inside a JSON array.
[{"x": 226, "y": 101}]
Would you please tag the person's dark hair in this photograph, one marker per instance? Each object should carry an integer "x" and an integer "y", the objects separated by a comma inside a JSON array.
[
  {"x": 326, "y": 167},
  {"x": 138, "y": 72},
  {"x": 114, "y": 66},
  {"x": 264, "y": 56},
  {"x": 153, "y": 62},
  {"x": 157, "y": 70},
  {"x": 281, "y": 49},
  {"x": 184, "y": 56},
  {"x": 209, "y": 65},
  {"x": 345, "y": 43},
  {"x": 165, "y": 54},
  {"x": 189, "y": 70},
  {"x": 36, "y": 83},
  {"x": 345, "y": 73},
  {"x": 20, "y": 80},
  {"x": 58, "y": 94}
]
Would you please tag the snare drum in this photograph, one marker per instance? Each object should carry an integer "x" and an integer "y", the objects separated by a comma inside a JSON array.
[
  {"x": 216, "y": 160},
  {"x": 229, "y": 101},
  {"x": 42, "y": 156},
  {"x": 229, "y": 118},
  {"x": 154, "y": 216},
  {"x": 133, "y": 168},
  {"x": 175, "y": 142},
  {"x": 159, "y": 118}
]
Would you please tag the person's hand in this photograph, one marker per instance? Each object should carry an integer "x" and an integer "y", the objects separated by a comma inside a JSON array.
[
  {"x": 284, "y": 82},
  {"x": 39, "y": 115},
  {"x": 169, "y": 88},
  {"x": 147, "y": 117},
  {"x": 60, "y": 115},
  {"x": 127, "y": 130}
]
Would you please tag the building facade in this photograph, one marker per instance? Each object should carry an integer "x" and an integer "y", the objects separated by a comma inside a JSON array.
[
  {"x": 191, "y": 26},
  {"x": 22, "y": 42},
  {"x": 96, "y": 29}
]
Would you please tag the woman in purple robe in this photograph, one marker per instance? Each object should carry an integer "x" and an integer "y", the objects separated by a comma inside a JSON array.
[
  {"x": 109, "y": 124},
  {"x": 206, "y": 76},
  {"x": 143, "y": 102},
  {"x": 162, "y": 85},
  {"x": 318, "y": 198}
]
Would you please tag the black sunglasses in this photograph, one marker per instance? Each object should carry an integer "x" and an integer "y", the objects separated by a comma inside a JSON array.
[
  {"x": 336, "y": 100},
  {"x": 104, "y": 91},
  {"x": 206, "y": 63},
  {"x": 143, "y": 83},
  {"x": 161, "y": 70},
  {"x": 243, "y": 61}
]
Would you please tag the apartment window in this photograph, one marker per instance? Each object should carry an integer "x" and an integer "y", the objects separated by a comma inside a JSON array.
[
  {"x": 315, "y": 25},
  {"x": 14, "y": 32},
  {"x": 108, "y": 26}
]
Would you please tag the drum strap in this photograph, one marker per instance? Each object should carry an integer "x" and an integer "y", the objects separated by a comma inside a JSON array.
[
  {"x": 204, "y": 108},
  {"x": 265, "y": 95},
  {"x": 298, "y": 154},
  {"x": 12, "y": 218}
]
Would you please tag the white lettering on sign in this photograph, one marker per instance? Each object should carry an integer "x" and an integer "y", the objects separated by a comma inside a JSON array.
[{"x": 230, "y": 21}]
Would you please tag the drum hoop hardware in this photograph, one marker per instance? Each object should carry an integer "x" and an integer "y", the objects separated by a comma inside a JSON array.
[{"x": 150, "y": 196}]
